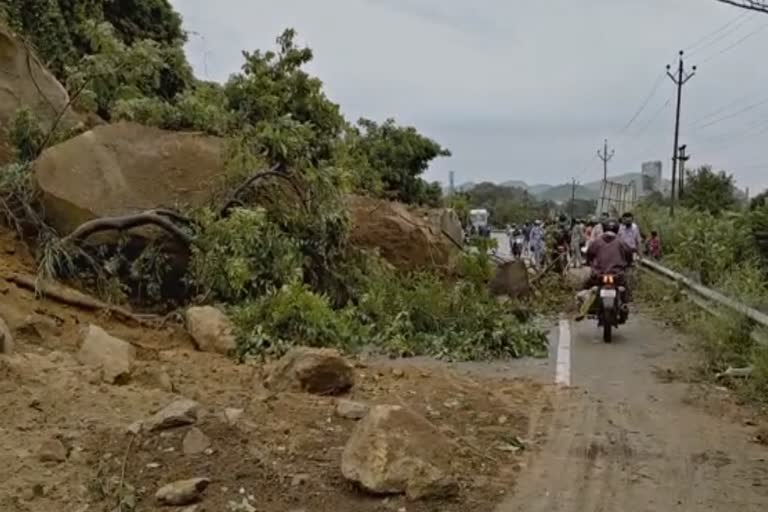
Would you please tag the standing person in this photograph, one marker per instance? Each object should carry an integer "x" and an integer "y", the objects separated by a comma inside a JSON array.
[
  {"x": 526, "y": 239},
  {"x": 538, "y": 243},
  {"x": 629, "y": 233},
  {"x": 654, "y": 246},
  {"x": 577, "y": 238}
]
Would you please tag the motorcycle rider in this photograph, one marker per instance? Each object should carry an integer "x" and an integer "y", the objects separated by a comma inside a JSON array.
[{"x": 607, "y": 255}]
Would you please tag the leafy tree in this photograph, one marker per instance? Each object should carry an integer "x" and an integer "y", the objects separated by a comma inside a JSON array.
[
  {"x": 709, "y": 191},
  {"x": 60, "y": 32},
  {"x": 284, "y": 107},
  {"x": 759, "y": 201},
  {"x": 397, "y": 156}
]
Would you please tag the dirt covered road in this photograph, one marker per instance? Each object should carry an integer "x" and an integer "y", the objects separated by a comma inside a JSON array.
[{"x": 628, "y": 437}]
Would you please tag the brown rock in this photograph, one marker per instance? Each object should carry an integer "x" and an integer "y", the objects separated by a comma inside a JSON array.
[
  {"x": 195, "y": 442},
  {"x": 211, "y": 329},
  {"x": 394, "y": 451},
  {"x": 52, "y": 450},
  {"x": 232, "y": 415},
  {"x": 113, "y": 357},
  {"x": 404, "y": 239},
  {"x": 511, "y": 280},
  {"x": 183, "y": 492},
  {"x": 318, "y": 371},
  {"x": 351, "y": 410},
  {"x": 122, "y": 168},
  {"x": 6, "y": 339},
  {"x": 177, "y": 414},
  {"x": 26, "y": 82}
]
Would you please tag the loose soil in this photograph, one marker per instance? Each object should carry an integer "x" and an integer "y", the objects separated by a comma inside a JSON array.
[{"x": 283, "y": 454}]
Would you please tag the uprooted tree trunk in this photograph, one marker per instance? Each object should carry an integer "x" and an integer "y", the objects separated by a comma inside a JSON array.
[{"x": 173, "y": 222}]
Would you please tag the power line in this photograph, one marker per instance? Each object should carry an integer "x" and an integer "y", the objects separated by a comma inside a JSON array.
[
  {"x": 734, "y": 45},
  {"x": 655, "y": 116},
  {"x": 732, "y": 30},
  {"x": 743, "y": 110},
  {"x": 645, "y": 102},
  {"x": 740, "y": 17}
]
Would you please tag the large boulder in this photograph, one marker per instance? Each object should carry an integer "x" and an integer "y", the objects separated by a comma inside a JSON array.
[
  {"x": 394, "y": 451},
  {"x": 408, "y": 240},
  {"x": 24, "y": 81},
  {"x": 511, "y": 279},
  {"x": 312, "y": 370},
  {"x": 113, "y": 357},
  {"x": 211, "y": 329},
  {"x": 125, "y": 168}
]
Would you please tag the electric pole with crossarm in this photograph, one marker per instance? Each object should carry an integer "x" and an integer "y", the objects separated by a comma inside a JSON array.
[{"x": 680, "y": 79}]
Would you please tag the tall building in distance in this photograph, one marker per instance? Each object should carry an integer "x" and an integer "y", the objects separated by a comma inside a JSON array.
[{"x": 652, "y": 180}]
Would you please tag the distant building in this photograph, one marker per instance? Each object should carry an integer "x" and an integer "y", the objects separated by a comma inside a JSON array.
[{"x": 652, "y": 181}]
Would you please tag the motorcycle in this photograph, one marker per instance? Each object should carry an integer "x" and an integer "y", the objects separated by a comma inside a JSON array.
[{"x": 610, "y": 308}]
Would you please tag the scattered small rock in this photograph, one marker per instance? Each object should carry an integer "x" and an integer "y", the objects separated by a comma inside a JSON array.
[
  {"x": 762, "y": 435},
  {"x": 351, "y": 410},
  {"x": 299, "y": 480},
  {"x": 394, "y": 451},
  {"x": 318, "y": 371},
  {"x": 177, "y": 414},
  {"x": 232, "y": 415},
  {"x": 502, "y": 420},
  {"x": 112, "y": 356},
  {"x": 211, "y": 329},
  {"x": 195, "y": 442},
  {"x": 398, "y": 373},
  {"x": 6, "y": 339},
  {"x": 183, "y": 492},
  {"x": 52, "y": 450},
  {"x": 134, "y": 428}
]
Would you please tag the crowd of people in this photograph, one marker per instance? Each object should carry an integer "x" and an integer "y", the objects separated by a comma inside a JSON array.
[{"x": 541, "y": 242}]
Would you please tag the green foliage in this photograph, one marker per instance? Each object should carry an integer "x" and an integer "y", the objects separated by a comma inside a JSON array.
[
  {"x": 722, "y": 252},
  {"x": 392, "y": 158},
  {"x": 420, "y": 314},
  {"x": 280, "y": 262},
  {"x": 60, "y": 30},
  {"x": 699, "y": 242},
  {"x": 26, "y": 135},
  {"x": 18, "y": 198},
  {"x": 287, "y": 316},
  {"x": 507, "y": 205},
  {"x": 242, "y": 256},
  {"x": 284, "y": 106},
  {"x": 709, "y": 191}
]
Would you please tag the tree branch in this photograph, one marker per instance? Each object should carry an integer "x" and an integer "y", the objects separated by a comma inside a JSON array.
[
  {"x": 157, "y": 218},
  {"x": 752, "y": 5},
  {"x": 274, "y": 172}
]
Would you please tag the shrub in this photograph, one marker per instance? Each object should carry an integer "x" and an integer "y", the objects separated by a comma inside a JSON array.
[
  {"x": 26, "y": 135},
  {"x": 242, "y": 256},
  {"x": 290, "y": 315}
]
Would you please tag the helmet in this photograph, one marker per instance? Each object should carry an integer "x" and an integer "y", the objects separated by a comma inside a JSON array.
[{"x": 611, "y": 225}]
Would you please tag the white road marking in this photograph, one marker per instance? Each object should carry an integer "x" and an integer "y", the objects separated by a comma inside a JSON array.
[{"x": 563, "y": 363}]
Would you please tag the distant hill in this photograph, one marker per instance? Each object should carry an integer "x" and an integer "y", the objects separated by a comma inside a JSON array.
[{"x": 562, "y": 193}]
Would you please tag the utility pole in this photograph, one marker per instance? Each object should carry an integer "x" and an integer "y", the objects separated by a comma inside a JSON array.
[
  {"x": 452, "y": 179},
  {"x": 682, "y": 158},
  {"x": 679, "y": 80},
  {"x": 605, "y": 156},
  {"x": 573, "y": 197}
]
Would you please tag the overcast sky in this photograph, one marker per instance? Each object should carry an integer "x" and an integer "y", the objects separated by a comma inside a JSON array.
[{"x": 523, "y": 90}]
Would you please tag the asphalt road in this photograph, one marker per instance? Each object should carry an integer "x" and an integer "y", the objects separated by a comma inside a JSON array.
[{"x": 623, "y": 437}]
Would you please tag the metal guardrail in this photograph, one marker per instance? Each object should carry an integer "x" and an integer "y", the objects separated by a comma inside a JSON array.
[{"x": 711, "y": 295}]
